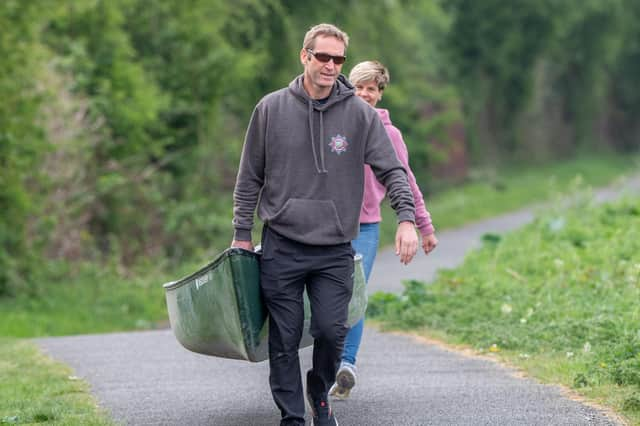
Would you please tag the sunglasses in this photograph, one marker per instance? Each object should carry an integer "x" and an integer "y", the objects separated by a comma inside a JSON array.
[{"x": 325, "y": 57}]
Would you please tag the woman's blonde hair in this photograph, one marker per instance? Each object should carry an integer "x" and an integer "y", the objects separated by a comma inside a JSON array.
[{"x": 370, "y": 71}]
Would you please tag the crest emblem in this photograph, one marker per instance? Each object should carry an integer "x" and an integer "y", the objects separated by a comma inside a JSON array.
[{"x": 338, "y": 144}]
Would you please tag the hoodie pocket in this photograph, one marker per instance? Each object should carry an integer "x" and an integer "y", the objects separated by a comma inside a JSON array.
[{"x": 312, "y": 221}]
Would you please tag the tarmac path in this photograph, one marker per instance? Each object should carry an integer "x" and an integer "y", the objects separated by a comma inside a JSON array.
[{"x": 147, "y": 378}]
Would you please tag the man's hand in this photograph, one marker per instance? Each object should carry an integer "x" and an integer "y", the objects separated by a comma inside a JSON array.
[
  {"x": 406, "y": 242},
  {"x": 429, "y": 242},
  {"x": 247, "y": 245}
]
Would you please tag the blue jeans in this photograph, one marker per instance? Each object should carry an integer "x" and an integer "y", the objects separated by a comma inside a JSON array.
[{"x": 367, "y": 245}]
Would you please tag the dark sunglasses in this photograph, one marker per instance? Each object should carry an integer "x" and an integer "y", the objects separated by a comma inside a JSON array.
[{"x": 325, "y": 57}]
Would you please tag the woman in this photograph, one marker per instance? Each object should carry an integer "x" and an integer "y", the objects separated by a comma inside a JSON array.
[{"x": 370, "y": 79}]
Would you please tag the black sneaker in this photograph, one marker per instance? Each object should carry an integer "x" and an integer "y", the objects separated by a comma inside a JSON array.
[{"x": 321, "y": 411}]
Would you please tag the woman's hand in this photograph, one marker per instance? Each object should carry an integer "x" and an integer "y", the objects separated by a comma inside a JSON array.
[{"x": 429, "y": 242}]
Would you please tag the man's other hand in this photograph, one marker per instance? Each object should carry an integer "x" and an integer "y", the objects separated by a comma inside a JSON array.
[{"x": 247, "y": 245}]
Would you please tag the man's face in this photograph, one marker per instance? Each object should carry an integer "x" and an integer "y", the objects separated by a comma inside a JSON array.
[{"x": 320, "y": 76}]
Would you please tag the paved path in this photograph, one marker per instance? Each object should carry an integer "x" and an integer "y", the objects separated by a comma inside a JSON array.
[{"x": 147, "y": 378}]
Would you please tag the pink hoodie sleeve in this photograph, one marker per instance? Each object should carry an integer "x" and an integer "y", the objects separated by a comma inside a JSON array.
[{"x": 423, "y": 217}]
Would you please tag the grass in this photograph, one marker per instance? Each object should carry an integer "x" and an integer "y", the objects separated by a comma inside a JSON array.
[
  {"x": 491, "y": 193},
  {"x": 90, "y": 299},
  {"x": 34, "y": 389},
  {"x": 558, "y": 298}
]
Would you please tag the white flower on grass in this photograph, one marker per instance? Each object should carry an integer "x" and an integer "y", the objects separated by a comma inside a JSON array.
[
  {"x": 523, "y": 320},
  {"x": 587, "y": 347},
  {"x": 524, "y": 356},
  {"x": 506, "y": 308},
  {"x": 570, "y": 354},
  {"x": 556, "y": 224}
]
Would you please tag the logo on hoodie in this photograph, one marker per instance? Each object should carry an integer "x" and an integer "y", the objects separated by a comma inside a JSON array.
[{"x": 338, "y": 144}]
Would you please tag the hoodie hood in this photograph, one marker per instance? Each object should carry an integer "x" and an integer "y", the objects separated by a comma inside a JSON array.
[{"x": 342, "y": 90}]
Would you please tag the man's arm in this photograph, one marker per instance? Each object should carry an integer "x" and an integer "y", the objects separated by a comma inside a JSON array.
[{"x": 249, "y": 180}]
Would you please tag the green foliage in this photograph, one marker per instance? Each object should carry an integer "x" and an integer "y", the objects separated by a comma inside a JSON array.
[
  {"x": 587, "y": 44},
  {"x": 21, "y": 141},
  {"x": 127, "y": 103},
  {"x": 565, "y": 286},
  {"x": 624, "y": 78},
  {"x": 121, "y": 124},
  {"x": 494, "y": 47},
  {"x": 544, "y": 67}
]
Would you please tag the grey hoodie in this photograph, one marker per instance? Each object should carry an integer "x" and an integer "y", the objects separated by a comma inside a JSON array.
[{"x": 304, "y": 162}]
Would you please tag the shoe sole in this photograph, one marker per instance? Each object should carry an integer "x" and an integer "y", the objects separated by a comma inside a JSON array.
[
  {"x": 345, "y": 380},
  {"x": 340, "y": 393},
  {"x": 313, "y": 423}
]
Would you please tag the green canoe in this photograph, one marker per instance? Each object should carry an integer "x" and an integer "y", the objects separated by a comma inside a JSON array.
[{"x": 218, "y": 310}]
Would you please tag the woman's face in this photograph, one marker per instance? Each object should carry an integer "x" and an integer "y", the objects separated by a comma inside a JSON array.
[{"x": 369, "y": 91}]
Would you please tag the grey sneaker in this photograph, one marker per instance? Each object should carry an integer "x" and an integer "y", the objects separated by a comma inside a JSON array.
[{"x": 345, "y": 381}]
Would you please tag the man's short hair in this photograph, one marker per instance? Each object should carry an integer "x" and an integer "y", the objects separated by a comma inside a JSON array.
[
  {"x": 326, "y": 30},
  {"x": 370, "y": 71}
]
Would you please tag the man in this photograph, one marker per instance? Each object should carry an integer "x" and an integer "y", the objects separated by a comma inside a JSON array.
[{"x": 303, "y": 159}]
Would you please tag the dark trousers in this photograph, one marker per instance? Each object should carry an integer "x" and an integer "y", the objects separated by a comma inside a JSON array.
[{"x": 286, "y": 267}]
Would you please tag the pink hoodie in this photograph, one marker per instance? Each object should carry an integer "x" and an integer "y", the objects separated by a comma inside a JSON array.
[{"x": 374, "y": 191}]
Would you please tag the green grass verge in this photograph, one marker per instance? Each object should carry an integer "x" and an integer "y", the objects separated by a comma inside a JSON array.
[
  {"x": 558, "y": 298},
  {"x": 34, "y": 389},
  {"x": 89, "y": 299},
  {"x": 491, "y": 193}
]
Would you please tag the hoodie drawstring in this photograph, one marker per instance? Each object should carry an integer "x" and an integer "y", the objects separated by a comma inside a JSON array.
[
  {"x": 322, "y": 163},
  {"x": 320, "y": 168}
]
